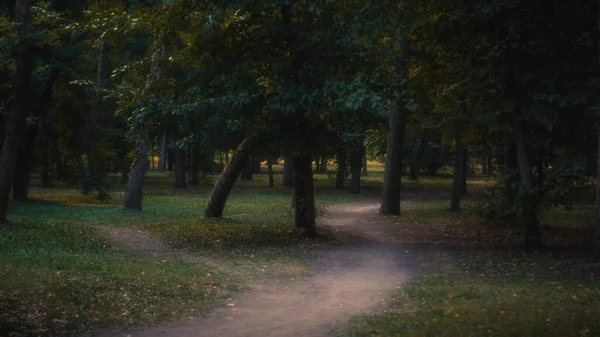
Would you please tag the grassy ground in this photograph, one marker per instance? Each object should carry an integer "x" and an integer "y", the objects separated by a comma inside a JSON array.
[
  {"x": 58, "y": 275},
  {"x": 485, "y": 284}
]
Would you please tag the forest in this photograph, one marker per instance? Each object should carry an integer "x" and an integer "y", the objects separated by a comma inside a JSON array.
[{"x": 417, "y": 168}]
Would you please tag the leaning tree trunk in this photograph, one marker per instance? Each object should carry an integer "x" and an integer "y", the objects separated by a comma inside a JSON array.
[
  {"x": 390, "y": 200},
  {"x": 459, "y": 169},
  {"x": 417, "y": 166},
  {"x": 341, "y": 169},
  {"x": 533, "y": 238},
  {"x": 355, "y": 169},
  {"x": 135, "y": 184},
  {"x": 304, "y": 194},
  {"x": 19, "y": 106},
  {"x": 224, "y": 184},
  {"x": 179, "y": 155},
  {"x": 288, "y": 171}
]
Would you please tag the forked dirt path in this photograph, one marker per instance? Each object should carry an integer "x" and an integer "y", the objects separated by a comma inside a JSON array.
[{"x": 349, "y": 279}]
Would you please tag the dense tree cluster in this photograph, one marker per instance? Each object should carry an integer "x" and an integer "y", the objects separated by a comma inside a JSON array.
[{"x": 90, "y": 88}]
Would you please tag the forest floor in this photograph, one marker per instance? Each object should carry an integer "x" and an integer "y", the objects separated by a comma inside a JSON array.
[{"x": 351, "y": 278}]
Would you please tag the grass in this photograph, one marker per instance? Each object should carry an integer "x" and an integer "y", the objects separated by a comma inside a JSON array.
[
  {"x": 484, "y": 284},
  {"x": 60, "y": 276}
]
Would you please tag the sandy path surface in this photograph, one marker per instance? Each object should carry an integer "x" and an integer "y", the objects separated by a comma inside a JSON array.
[{"x": 349, "y": 279}]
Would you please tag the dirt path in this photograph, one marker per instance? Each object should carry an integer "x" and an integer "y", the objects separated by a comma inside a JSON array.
[{"x": 348, "y": 280}]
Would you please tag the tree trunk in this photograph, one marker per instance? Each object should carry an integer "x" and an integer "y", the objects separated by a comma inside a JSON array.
[
  {"x": 533, "y": 238},
  {"x": 179, "y": 155},
  {"x": 465, "y": 171},
  {"x": 256, "y": 165},
  {"x": 304, "y": 194},
  {"x": 224, "y": 184},
  {"x": 170, "y": 159},
  {"x": 247, "y": 173},
  {"x": 318, "y": 164},
  {"x": 365, "y": 170},
  {"x": 22, "y": 175},
  {"x": 162, "y": 154},
  {"x": 288, "y": 171},
  {"x": 390, "y": 200},
  {"x": 341, "y": 169},
  {"x": 484, "y": 166},
  {"x": 19, "y": 106},
  {"x": 459, "y": 168},
  {"x": 194, "y": 165},
  {"x": 489, "y": 165},
  {"x": 596, "y": 238},
  {"x": 323, "y": 167},
  {"x": 135, "y": 184},
  {"x": 415, "y": 169},
  {"x": 271, "y": 178},
  {"x": 355, "y": 168}
]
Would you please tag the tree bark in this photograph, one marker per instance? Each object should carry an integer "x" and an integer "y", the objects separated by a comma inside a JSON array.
[
  {"x": 19, "y": 106},
  {"x": 179, "y": 155},
  {"x": 390, "y": 200},
  {"x": 465, "y": 170},
  {"x": 323, "y": 167},
  {"x": 194, "y": 165},
  {"x": 170, "y": 159},
  {"x": 341, "y": 169},
  {"x": 304, "y": 194},
  {"x": 288, "y": 171},
  {"x": 365, "y": 170},
  {"x": 135, "y": 184},
  {"x": 533, "y": 238},
  {"x": 415, "y": 169},
  {"x": 224, "y": 184},
  {"x": 459, "y": 168},
  {"x": 355, "y": 169},
  {"x": 596, "y": 237},
  {"x": 162, "y": 154},
  {"x": 490, "y": 165},
  {"x": 484, "y": 166},
  {"x": 271, "y": 178}
]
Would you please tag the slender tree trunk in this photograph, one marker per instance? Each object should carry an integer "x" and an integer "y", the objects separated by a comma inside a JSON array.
[
  {"x": 415, "y": 169},
  {"x": 596, "y": 237},
  {"x": 390, "y": 200},
  {"x": 489, "y": 165},
  {"x": 465, "y": 171},
  {"x": 304, "y": 194},
  {"x": 484, "y": 166},
  {"x": 22, "y": 176},
  {"x": 317, "y": 164},
  {"x": 533, "y": 238},
  {"x": 323, "y": 167},
  {"x": 341, "y": 169},
  {"x": 256, "y": 165},
  {"x": 247, "y": 173},
  {"x": 288, "y": 171},
  {"x": 459, "y": 168},
  {"x": 224, "y": 184},
  {"x": 162, "y": 154},
  {"x": 365, "y": 170},
  {"x": 179, "y": 155},
  {"x": 19, "y": 106},
  {"x": 270, "y": 168},
  {"x": 355, "y": 168},
  {"x": 170, "y": 159},
  {"x": 135, "y": 184},
  {"x": 194, "y": 165}
]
